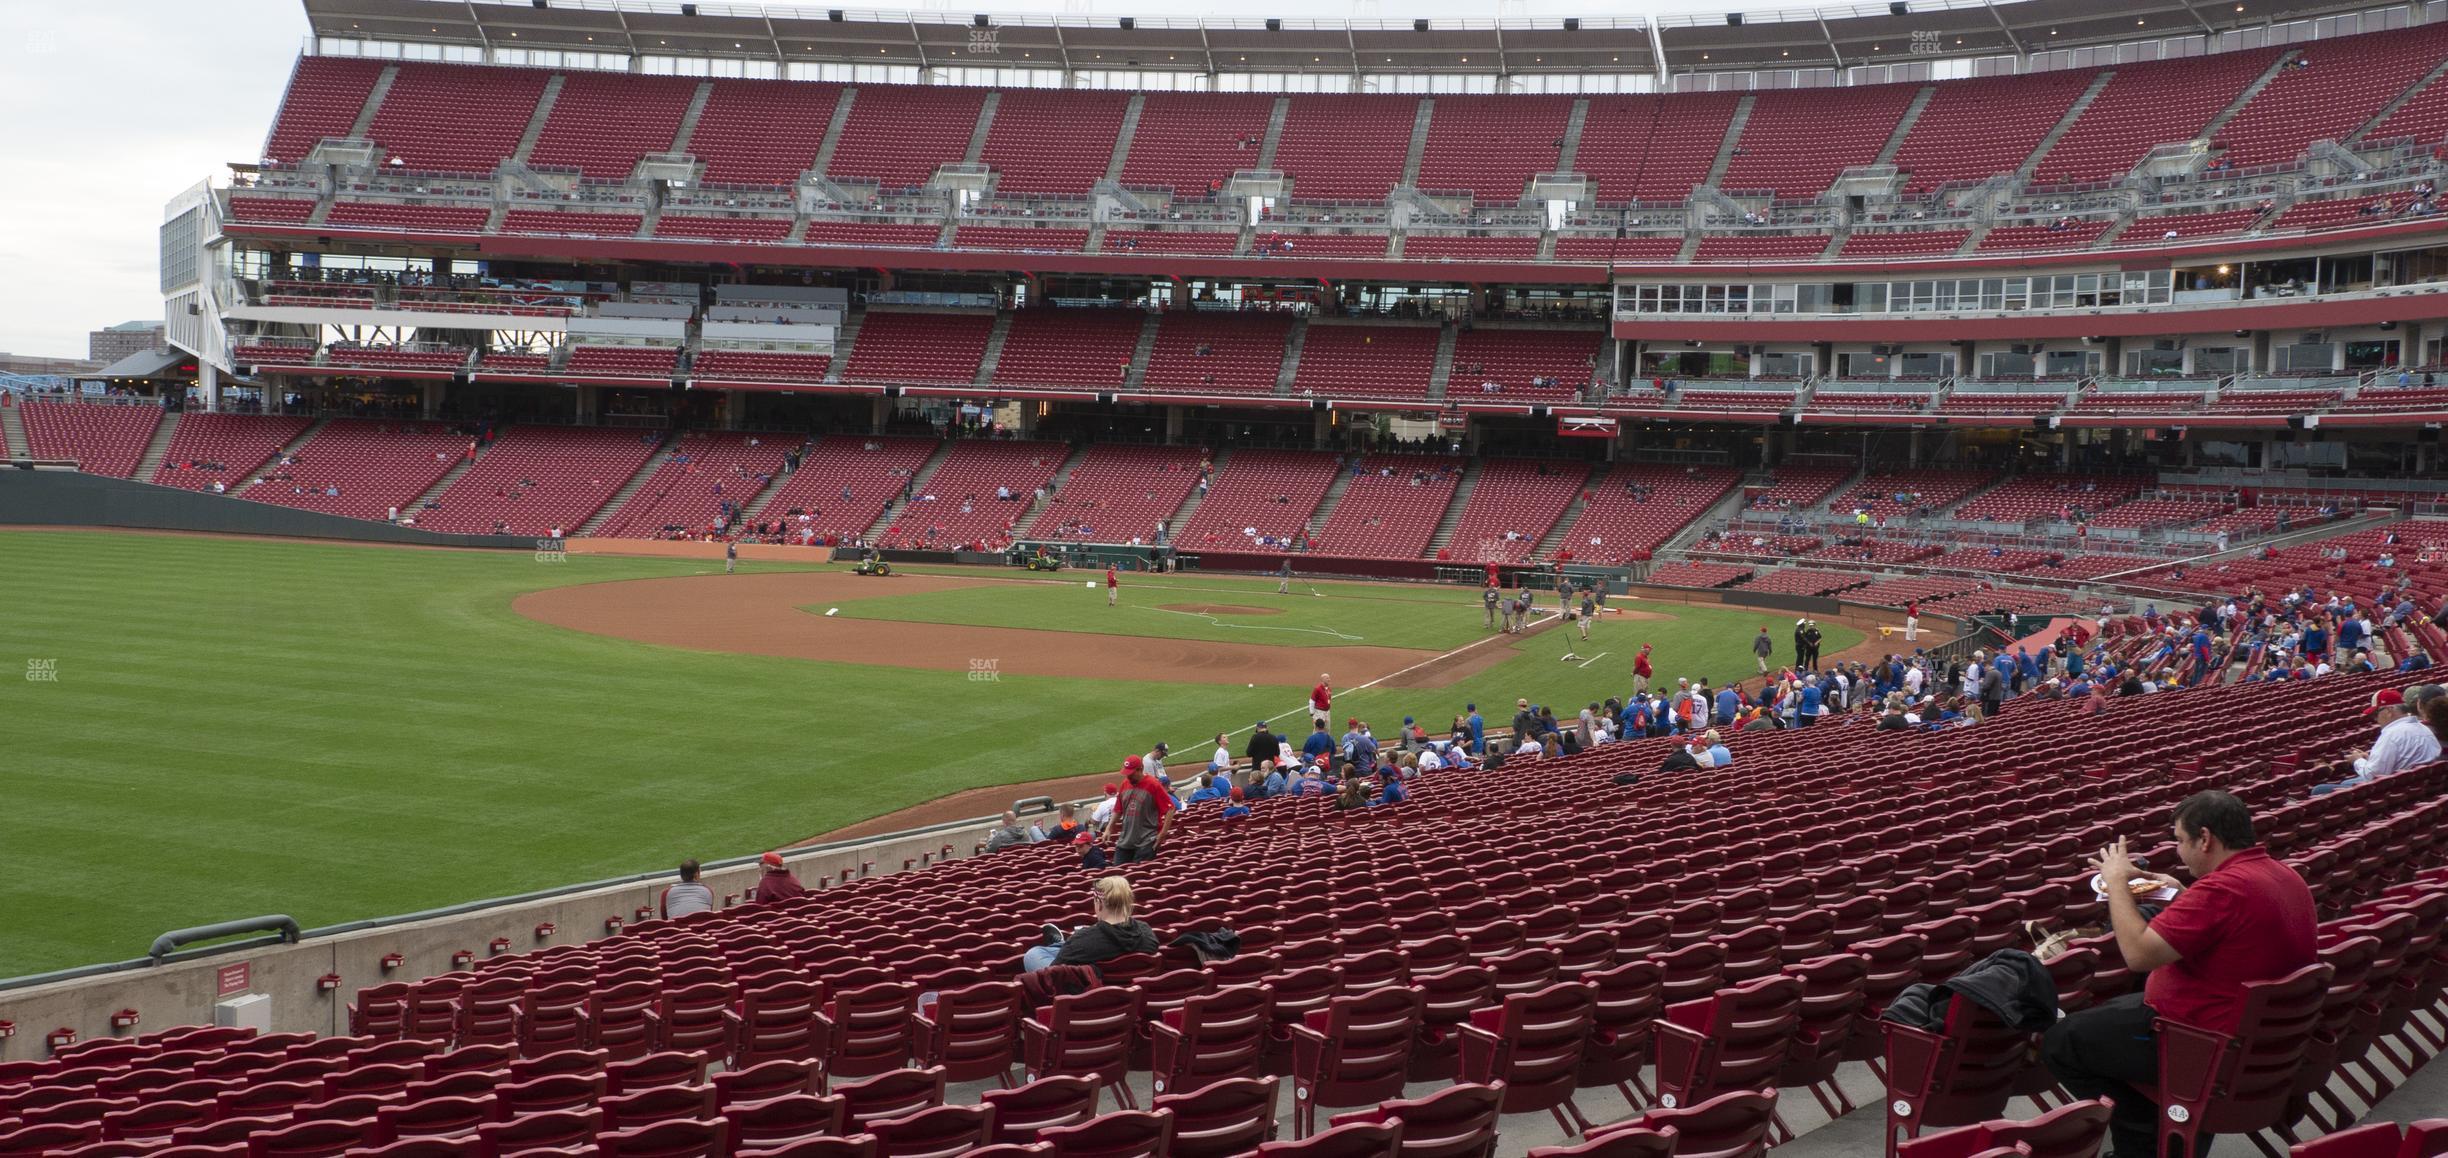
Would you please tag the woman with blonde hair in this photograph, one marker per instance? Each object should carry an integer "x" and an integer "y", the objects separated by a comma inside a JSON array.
[{"x": 1114, "y": 933}]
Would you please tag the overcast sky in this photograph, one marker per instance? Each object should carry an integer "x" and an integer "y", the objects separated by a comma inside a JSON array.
[{"x": 112, "y": 107}]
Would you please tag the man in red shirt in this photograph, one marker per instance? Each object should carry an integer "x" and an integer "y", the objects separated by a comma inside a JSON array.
[
  {"x": 1113, "y": 585},
  {"x": 1641, "y": 670},
  {"x": 2246, "y": 918},
  {"x": 1321, "y": 702},
  {"x": 1912, "y": 620}
]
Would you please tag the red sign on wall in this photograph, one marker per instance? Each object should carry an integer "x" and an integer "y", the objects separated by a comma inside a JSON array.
[{"x": 236, "y": 979}]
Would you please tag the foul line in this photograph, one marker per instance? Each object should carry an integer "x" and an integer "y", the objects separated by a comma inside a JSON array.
[
  {"x": 1213, "y": 621},
  {"x": 1596, "y": 658}
]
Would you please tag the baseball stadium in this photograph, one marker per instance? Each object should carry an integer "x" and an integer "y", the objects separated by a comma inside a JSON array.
[{"x": 1857, "y": 580}]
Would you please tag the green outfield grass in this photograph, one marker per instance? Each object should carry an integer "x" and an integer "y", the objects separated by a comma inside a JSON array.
[{"x": 239, "y": 727}]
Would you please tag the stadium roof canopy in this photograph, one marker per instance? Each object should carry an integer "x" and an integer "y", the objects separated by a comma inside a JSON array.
[{"x": 1837, "y": 36}]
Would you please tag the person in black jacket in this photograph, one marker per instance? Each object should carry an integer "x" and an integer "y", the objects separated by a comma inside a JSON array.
[
  {"x": 1115, "y": 932},
  {"x": 1680, "y": 760},
  {"x": 1263, "y": 745}
]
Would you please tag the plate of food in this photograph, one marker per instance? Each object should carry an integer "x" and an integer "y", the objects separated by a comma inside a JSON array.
[{"x": 2143, "y": 889}]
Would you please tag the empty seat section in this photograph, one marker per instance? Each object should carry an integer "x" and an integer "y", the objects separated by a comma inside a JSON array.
[
  {"x": 2031, "y": 238},
  {"x": 2424, "y": 117},
  {"x": 429, "y": 218},
  {"x": 1904, "y": 243},
  {"x": 422, "y": 360},
  {"x": 1492, "y": 145},
  {"x": 657, "y": 362},
  {"x": 762, "y": 132},
  {"x": 1761, "y": 247},
  {"x": 898, "y": 135},
  {"x": 2328, "y": 92},
  {"x": 1513, "y": 504},
  {"x": 275, "y": 210},
  {"x": 1974, "y": 129},
  {"x": 2148, "y": 513},
  {"x": 2186, "y": 226},
  {"x": 1799, "y": 486},
  {"x": 1228, "y": 353},
  {"x": 1346, "y": 147},
  {"x": 1260, "y": 494},
  {"x": 764, "y": 230},
  {"x": 1847, "y": 402},
  {"x": 2145, "y": 105},
  {"x": 1797, "y": 140},
  {"x": 223, "y": 448},
  {"x": 456, "y": 118},
  {"x": 2273, "y": 401},
  {"x": 326, "y": 94},
  {"x": 1653, "y": 147},
  {"x": 1020, "y": 239},
  {"x": 602, "y": 122},
  {"x": 1801, "y": 581},
  {"x": 1622, "y": 250},
  {"x": 1701, "y": 575},
  {"x": 1893, "y": 494},
  {"x": 1511, "y": 358},
  {"x": 2343, "y": 213},
  {"x": 534, "y": 480},
  {"x": 2137, "y": 402},
  {"x": 1371, "y": 361},
  {"x": 1192, "y": 142},
  {"x": 1433, "y": 246},
  {"x": 918, "y": 348},
  {"x": 1638, "y": 506},
  {"x": 514, "y": 362},
  {"x": 1322, "y": 244},
  {"x": 571, "y": 224},
  {"x": 1198, "y": 242},
  {"x": 288, "y": 353},
  {"x": 107, "y": 440},
  {"x": 375, "y": 466},
  {"x": 1053, "y": 142},
  {"x": 862, "y": 233},
  {"x": 700, "y": 471},
  {"x": 1059, "y": 347},
  {"x": 2391, "y": 400},
  {"x": 760, "y": 366},
  {"x": 843, "y": 484},
  {"x": 1391, "y": 507},
  {"x": 964, "y": 513},
  {"x": 2046, "y": 495},
  {"x": 2017, "y": 405},
  {"x": 1117, "y": 493},
  {"x": 1753, "y": 401}
]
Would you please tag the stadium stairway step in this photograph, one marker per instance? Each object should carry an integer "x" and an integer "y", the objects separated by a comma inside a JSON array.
[
  {"x": 1836, "y": 240},
  {"x": 2379, "y": 118},
  {"x": 288, "y": 449},
  {"x": 1572, "y": 512},
  {"x": 1419, "y": 142},
  {"x": 916, "y": 486},
  {"x": 977, "y": 136},
  {"x": 1453, "y": 510},
  {"x": 1293, "y": 343},
  {"x": 158, "y": 449},
  {"x": 2115, "y": 229},
  {"x": 2210, "y": 132},
  {"x": 754, "y": 508},
  {"x": 1724, "y": 510},
  {"x": 620, "y": 498},
  {"x": 833, "y": 131},
  {"x": 13, "y": 430},
  {"x": 535, "y": 122},
  {"x": 1190, "y": 506},
  {"x": 688, "y": 120},
  {"x": 1122, "y": 140},
  {"x": 2056, "y": 133},
  {"x": 1394, "y": 246},
  {"x": 1327, "y": 501},
  {"x": 1973, "y": 238},
  {"x": 1546, "y": 246},
  {"x": 1135, "y": 378},
  {"x": 374, "y": 99},
  {"x": 1571, "y": 152},
  {"x": 1062, "y": 478},
  {"x": 1904, "y": 124},
  {"x": 844, "y": 341},
  {"x": 1725, "y": 148},
  {"x": 440, "y": 485},
  {"x": 993, "y": 356},
  {"x": 1441, "y": 374},
  {"x": 1274, "y": 133}
]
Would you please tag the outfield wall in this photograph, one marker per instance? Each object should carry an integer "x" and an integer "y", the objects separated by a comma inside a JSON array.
[{"x": 62, "y": 498}]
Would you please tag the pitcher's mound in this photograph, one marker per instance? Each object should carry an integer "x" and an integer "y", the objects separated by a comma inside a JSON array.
[{"x": 1218, "y": 609}]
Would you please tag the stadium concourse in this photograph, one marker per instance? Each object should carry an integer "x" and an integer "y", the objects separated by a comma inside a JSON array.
[{"x": 1517, "y": 950}]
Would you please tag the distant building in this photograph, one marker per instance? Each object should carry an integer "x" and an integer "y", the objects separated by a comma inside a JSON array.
[
  {"x": 104, "y": 347},
  {"x": 32, "y": 365}
]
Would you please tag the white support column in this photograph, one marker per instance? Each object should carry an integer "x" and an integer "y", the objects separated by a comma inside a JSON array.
[{"x": 208, "y": 381}]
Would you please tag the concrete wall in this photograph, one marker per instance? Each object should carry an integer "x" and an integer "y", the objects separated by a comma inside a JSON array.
[
  {"x": 183, "y": 992},
  {"x": 69, "y": 499}
]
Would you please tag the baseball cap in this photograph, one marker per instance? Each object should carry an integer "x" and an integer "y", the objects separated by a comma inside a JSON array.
[
  {"x": 2385, "y": 698},
  {"x": 1132, "y": 764},
  {"x": 772, "y": 860},
  {"x": 1160, "y": 746}
]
